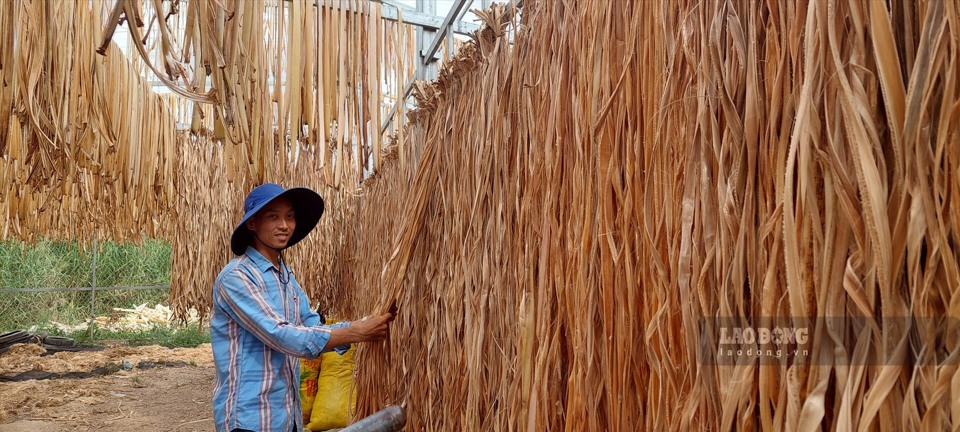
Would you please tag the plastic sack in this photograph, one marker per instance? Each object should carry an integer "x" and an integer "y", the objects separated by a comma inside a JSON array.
[
  {"x": 309, "y": 372},
  {"x": 336, "y": 393}
]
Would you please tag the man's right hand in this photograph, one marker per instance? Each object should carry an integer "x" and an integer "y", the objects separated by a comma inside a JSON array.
[
  {"x": 368, "y": 329},
  {"x": 373, "y": 328}
]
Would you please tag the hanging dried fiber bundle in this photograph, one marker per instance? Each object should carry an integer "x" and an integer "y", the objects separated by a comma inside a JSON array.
[
  {"x": 311, "y": 131},
  {"x": 590, "y": 202},
  {"x": 201, "y": 248},
  {"x": 275, "y": 77},
  {"x": 263, "y": 90},
  {"x": 87, "y": 148},
  {"x": 586, "y": 194}
]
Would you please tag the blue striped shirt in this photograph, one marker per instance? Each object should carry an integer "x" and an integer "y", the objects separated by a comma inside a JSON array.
[{"x": 259, "y": 330}]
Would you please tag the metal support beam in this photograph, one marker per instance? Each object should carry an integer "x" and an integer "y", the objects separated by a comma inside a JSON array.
[
  {"x": 451, "y": 46},
  {"x": 428, "y": 22},
  {"x": 391, "y": 12},
  {"x": 427, "y": 55},
  {"x": 452, "y": 16},
  {"x": 424, "y": 38},
  {"x": 393, "y": 110}
]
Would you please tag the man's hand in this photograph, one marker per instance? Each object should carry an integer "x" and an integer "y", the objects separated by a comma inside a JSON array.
[
  {"x": 368, "y": 329},
  {"x": 373, "y": 328}
]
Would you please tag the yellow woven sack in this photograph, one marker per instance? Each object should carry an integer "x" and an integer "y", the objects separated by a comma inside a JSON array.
[
  {"x": 336, "y": 392},
  {"x": 309, "y": 372}
]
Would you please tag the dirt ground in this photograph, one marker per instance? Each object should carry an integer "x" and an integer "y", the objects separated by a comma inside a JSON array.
[{"x": 132, "y": 388}]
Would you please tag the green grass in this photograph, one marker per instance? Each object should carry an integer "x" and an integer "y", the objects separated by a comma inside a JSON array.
[{"x": 54, "y": 264}]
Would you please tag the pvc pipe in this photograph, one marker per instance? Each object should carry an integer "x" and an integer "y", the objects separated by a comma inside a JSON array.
[{"x": 389, "y": 419}]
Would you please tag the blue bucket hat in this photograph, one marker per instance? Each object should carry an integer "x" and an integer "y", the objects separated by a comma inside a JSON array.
[{"x": 307, "y": 209}]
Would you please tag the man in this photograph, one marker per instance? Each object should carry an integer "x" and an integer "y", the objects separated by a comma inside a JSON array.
[{"x": 262, "y": 323}]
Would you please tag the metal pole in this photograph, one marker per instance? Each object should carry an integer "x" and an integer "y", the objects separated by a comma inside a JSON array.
[
  {"x": 424, "y": 70},
  {"x": 93, "y": 290},
  {"x": 389, "y": 419},
  {"x": 451, "y": 51},
  {"x": 427, "y": 55},
  {"x": 426, "y": 66}
]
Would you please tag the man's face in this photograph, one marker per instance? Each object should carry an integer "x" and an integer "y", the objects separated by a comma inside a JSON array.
[{"x": 273, "y": 225}]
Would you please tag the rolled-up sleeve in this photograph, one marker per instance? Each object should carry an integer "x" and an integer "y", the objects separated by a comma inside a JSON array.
[
  {"x": 246, "y": 303},
  {"x": 312, "y": 318}
]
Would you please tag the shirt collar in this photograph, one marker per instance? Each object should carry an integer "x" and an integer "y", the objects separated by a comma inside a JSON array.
[{"x": 259, "y": 260}]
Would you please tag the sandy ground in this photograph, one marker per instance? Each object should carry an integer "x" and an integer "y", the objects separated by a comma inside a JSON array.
[{"x": 165, "y": 390}]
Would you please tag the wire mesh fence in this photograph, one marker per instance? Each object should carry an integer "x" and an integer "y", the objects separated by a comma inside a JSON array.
[
  {"x": 26, "y": 309},
  {"x": 60, "y": 283}
]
